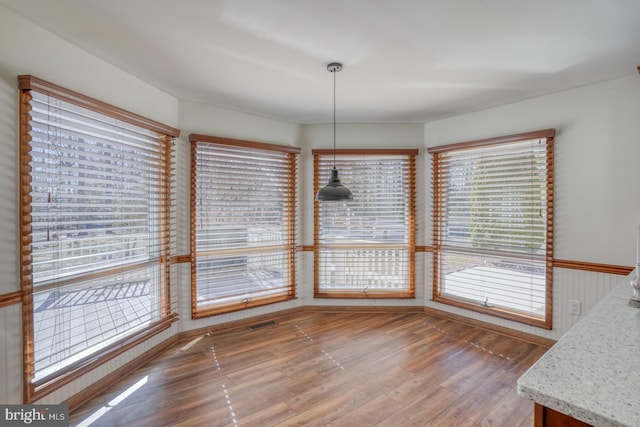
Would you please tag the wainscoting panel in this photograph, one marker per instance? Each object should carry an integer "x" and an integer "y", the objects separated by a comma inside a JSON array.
[
  {"x": 11, "y": 362},
  {"x": 9, "y": 230},
  {"x": 584, "y": 286}
]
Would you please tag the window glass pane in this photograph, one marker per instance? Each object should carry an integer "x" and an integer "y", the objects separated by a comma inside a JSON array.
[
  {"x": 492, "y": 225},
  {"x": 244, "y": 225},
  {"x": 364, "y": 244},
  {"x": 513, "y": 284},
  {"x": 223, "y": 279},
  {"x": 75, "y": 321},
  {"x": 97, "y": 220},
  {"x": 380, "y": 211},
  {"x": 364, "y": 270},
  {"x": 496, "y": 198}
]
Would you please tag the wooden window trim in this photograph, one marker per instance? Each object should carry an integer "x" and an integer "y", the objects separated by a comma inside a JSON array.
[
  {"x": 411, "y": 154},
  {"x": 548, "y": 134},
  {"x": 35, "y": 390},
  {"x": 367, "y": 151},
  {"x": 621, "y": 270},
  {"x": 26, "y": 277},
  {"x": 28, "y": 82},
  {"x": 195, "y": 137},
  {"x": 230, "y": 308},
  {"x": 487, "y": 142},
  {"x": 10, "y": 298},
  {"x": 292, "y": 152},
  {"x": 364, "y": 295}
]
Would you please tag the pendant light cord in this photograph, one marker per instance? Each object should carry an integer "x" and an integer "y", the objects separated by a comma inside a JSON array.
[{"x": 334, "y": 119}]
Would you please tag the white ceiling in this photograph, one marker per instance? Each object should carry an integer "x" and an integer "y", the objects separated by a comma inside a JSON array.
[{"x": 404, "y": 60}]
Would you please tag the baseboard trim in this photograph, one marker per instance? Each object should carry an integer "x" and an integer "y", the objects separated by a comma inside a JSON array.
[
  {"x": 226, "y": 327},
  {"x": 502, "y": 330},
  {"x": 364, "y": 309},
  {"x": 282, "y": 315}
]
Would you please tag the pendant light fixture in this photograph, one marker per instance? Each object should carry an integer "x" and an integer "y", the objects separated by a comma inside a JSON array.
[{"x": 334, "y": 190}]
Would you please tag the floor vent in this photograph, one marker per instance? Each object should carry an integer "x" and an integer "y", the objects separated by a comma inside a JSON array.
[{"x": 261, "y": 325}]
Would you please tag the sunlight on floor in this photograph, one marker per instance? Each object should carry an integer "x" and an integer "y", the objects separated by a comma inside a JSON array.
[{"x": 112, "y": 403}]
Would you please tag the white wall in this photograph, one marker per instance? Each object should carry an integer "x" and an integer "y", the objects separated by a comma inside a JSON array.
[
  {"x": 206, "y": 119},
  {"x": 597, "y": 177}
]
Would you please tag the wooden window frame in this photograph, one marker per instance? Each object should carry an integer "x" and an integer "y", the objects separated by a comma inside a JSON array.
[
  {"x": 35, "y": 390},
  {"x": 549, "y": 135},
  {"x": 292, "y": 153},
  {"x": 411, "y": 250}
]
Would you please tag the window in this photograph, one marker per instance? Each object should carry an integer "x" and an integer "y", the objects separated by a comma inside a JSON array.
[
  {"x": 493, "y": 226},
  {"x": 365, "y": 248},
  {"x": 94, "y": 232},
  {"x": 243, "y": 222}
]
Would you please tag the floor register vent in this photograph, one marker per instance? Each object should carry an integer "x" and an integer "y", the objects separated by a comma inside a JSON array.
[{"x": 261, "y": 325}]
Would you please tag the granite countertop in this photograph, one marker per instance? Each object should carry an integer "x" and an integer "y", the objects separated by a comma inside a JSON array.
[{"x": 593, "y": 372}]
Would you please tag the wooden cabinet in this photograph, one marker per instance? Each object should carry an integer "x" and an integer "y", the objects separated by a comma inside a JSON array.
[{"x": 545, "y": 417}]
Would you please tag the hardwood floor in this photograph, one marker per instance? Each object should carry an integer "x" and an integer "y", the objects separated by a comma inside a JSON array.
[{"x": 328, "y": 369}]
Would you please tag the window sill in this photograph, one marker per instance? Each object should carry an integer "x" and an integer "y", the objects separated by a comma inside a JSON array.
[{"x": 495, "y": 312}]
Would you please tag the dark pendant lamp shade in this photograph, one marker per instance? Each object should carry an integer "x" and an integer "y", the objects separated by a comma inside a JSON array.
[{"x": 334, "y": 190}]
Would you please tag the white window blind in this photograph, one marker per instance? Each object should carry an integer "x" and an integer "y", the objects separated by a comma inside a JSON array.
[
  {"x": 366, "y": 247},
  {"x": 96, "y": 204},
  {"x": 493, "y": 228},
  {"x": 244, "y": 208}
]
